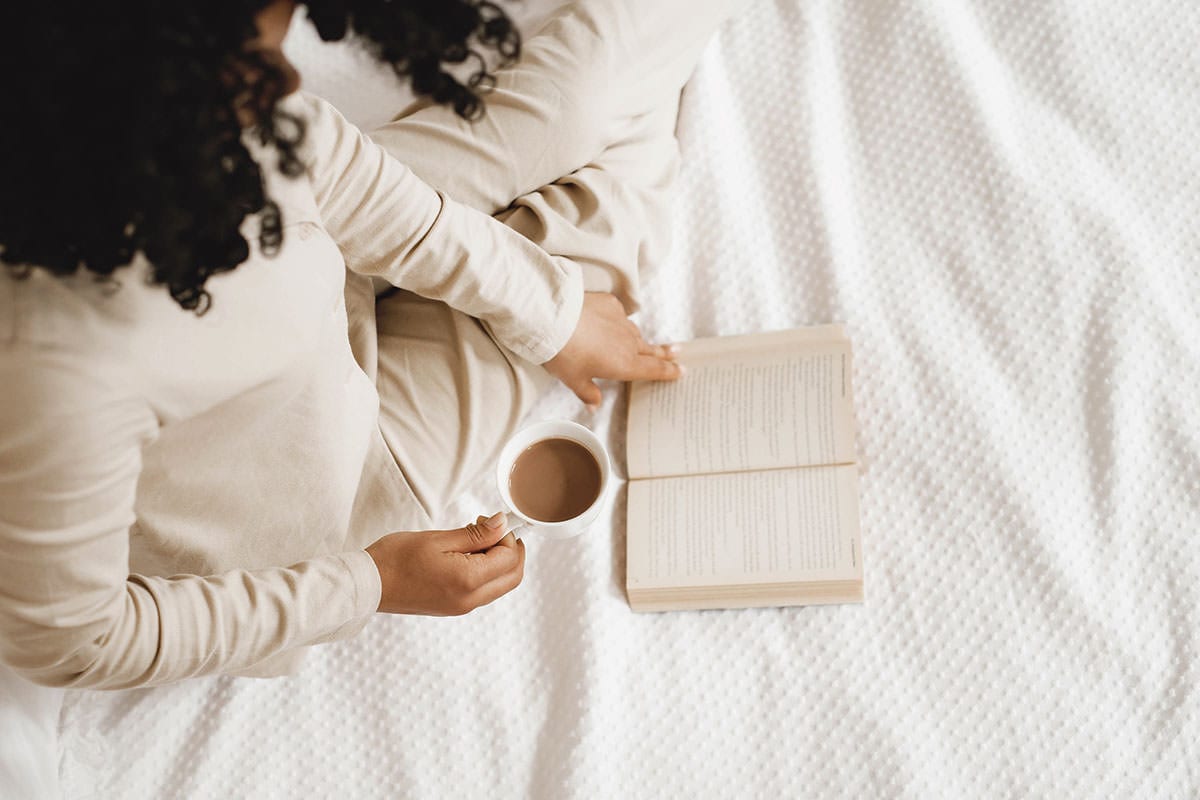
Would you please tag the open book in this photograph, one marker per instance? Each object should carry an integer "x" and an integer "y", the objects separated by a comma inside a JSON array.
[{"x": 743, "y": 487}]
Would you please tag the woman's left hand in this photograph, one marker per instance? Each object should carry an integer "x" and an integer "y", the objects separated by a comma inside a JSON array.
[{"x": 607, "y": 344}]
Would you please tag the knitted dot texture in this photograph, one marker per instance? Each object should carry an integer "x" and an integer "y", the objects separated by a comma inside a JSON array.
[{"x": 999, "y": 198}]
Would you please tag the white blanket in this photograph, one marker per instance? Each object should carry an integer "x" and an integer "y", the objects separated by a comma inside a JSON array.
[{"x": 1001, "y": 200}]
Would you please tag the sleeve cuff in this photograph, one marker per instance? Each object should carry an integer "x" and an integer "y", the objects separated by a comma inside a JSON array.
[
  {"x": 367, "y": 590},
  {"x": 568, "y": 305}
]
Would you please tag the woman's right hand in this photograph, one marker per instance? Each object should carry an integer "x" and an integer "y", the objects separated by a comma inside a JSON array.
[
  {"x": 448, "y": 573},
  {"x": 607, "y": 344}
]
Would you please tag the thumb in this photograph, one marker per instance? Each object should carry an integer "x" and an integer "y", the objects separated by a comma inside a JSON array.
[
  {"x": 589, "y": 393},
  {"x": 478, "y": 535}
]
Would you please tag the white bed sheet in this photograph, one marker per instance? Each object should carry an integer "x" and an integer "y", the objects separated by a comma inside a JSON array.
[{"x": 1001, "y": 200}]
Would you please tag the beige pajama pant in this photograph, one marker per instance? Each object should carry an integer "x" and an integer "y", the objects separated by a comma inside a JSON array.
[{"x": 576, "y": 151}]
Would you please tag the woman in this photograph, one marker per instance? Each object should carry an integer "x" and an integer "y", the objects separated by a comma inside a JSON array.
[{"x": 210, "y": 421}]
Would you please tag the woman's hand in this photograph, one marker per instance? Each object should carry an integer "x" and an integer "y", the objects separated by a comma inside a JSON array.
[
  {"x": 606, "y": 344},
  {"x": 448, "y": 573}
]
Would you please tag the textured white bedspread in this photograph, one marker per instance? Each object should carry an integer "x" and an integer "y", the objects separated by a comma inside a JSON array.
[{"x": 1001, "y": 201}]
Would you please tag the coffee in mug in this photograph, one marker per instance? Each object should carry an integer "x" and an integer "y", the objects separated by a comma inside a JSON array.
[{"x": 554, "y": 480}]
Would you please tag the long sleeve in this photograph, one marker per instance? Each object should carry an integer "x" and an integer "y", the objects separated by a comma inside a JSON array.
[
  {"x": 70, "y": 612},
  {"x": 391, "y": 224}
]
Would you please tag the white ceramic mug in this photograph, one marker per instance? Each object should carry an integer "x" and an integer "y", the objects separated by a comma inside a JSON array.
[{"x": 552, "y": 429}]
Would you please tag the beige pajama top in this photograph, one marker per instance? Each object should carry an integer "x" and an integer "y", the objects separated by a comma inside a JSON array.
[{"x": 139, "y": 440}]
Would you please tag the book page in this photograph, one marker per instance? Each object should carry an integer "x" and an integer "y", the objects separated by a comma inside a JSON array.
[
  {"x": 763, "y": 401},
  {"x": 744, "y": 527}
]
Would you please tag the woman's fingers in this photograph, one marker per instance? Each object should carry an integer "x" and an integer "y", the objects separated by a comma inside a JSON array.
[
  {"x": 505, "y": 558},
  {"x": 479, "y": 535},
  {"x": 654, "y": 368},
  {"x": 503, "y": 583},
  {"x": 667, "y": 352},
  {"x": 499, "y": 558},
  {"x": 653, "y": 362},
  {"x": 588, "y": 392},
  {"x": 608, "y": 345}
]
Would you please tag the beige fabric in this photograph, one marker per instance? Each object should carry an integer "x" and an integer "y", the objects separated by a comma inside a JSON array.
[
  {"x": 159, "y": 470},
  {"x": 432, "y": 358},
  {"x": 578, "y": 153}
]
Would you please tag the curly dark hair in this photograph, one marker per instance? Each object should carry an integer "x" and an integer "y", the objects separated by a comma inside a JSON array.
[{"x": 122, "y": 133}]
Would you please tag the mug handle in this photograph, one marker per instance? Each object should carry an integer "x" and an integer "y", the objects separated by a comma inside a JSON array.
[{"x": 515, "y": 528}]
